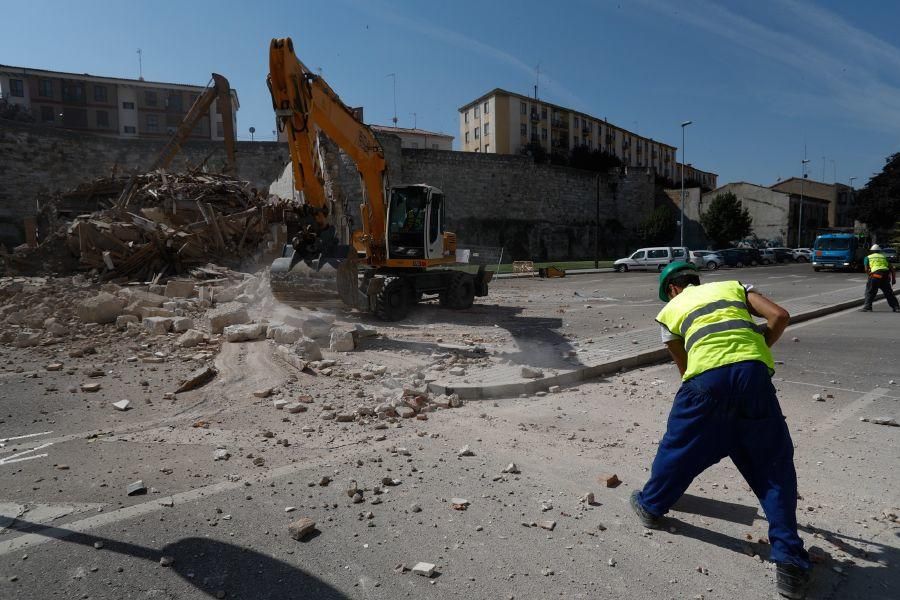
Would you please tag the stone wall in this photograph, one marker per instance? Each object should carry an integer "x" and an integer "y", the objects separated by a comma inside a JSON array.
[{"x": 36, "y": 160}]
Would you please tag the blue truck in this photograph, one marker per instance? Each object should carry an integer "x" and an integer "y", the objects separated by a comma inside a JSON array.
[{"x": 839, "y": 251}]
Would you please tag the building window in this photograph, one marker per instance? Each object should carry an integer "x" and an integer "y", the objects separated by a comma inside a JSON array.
[
  {"x": 73, "y": 91},
  {"x": 414, "y": 144},
  {"x": 102, "y": 118},
  {"x": 220, "y": 130},
  {"x": 487, "y": 129},
  {"x": 45, "y": 88},
  {"x": 467, "y": 137},
  {"x": 476, "y": 133},
  {"x": 544, "y": 112},
  {"x": 477, "y": 112},
  {"x": 544, "y": 133},
  {"x": 150, "y": 98},
  {"x": 466, "y": 117},
  {"x": 152, "y": 122},
  {"x": 174, "y": 102},
  {"x": 577, "y": 141},
  {"x": 100, "y": 94},
  {"x": 577, "y": 123},
  {"x": 487, "y": 108},
  {"x": 523, "y": 108},
  {"x": 523, "y": 130},
  {"x": 17, "y": 88},
  {"x": 47, "y": 115},
  {"x": 129, "y": 129},
  {"x": 487, "y": 147},
  {"x": 128, "y": 106}
]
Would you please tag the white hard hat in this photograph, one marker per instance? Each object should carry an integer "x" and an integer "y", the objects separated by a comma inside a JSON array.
[{"x": 875, "y": 248}]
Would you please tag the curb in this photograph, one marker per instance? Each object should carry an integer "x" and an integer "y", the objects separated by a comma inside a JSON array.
[{"x": 629, "y": 361}]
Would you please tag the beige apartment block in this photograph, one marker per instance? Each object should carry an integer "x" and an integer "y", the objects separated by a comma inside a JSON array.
[
  {"x": 417, "y": 138},
  {"x": 694, "y": 176},
  {"x": 840, "y": 197},
  {"x": 502, "y": 122},
  {"x": 130, "y": 108}
]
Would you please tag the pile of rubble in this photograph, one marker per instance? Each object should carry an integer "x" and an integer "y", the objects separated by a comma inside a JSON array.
[{"x": 156, "y": 223}]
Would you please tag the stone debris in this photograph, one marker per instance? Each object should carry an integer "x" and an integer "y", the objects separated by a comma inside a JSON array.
[
  {"x": 342, "y": 341},
  {"x": 532, "y": 373},
  {"x": 90, "y": 387},
  {"x": 244, "y": 333},
  {"x": 166, "y": 561},
  {"x": 818, "y": 398},
  {"x": 465, "y": 451},
  {"x": 263, "y": 393},
  {"x": 511, "y": 468},
  {"x": 881, "y": 421},
  {"x": 587, "y": 498},
  {"x": 227, "y": 315},
  {"x": 548, "y": 525},
  {"x": 198, "y": 378},
  {"x": 190, "y": 338},
  {"x": 136, "y": 488},
  {"x": 295, "y": 407},
  {"x": 122, "y": 405},
  {"x": 424, "y": 569},
  {"x": 102, "y": 308},
  {"x": 221, "y": 454},
  {"x": 610, "y": 481},
  {"x": 459, "y": 503}
]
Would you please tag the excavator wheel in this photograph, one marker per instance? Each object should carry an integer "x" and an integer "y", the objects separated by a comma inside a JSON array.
[
  {"x": 460, "y": 292},
  {"x": 393, "y": 300}
]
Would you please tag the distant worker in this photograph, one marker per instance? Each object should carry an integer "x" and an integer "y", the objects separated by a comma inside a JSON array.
[
  {"x": 726, "y": 406},
  {"x": 879, "y": 270}
]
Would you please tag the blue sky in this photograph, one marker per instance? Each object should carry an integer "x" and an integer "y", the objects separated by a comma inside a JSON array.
[{"x": 761, "y": 81}]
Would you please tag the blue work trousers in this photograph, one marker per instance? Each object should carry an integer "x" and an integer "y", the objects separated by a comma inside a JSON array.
[{"x": 731, "y": 411}]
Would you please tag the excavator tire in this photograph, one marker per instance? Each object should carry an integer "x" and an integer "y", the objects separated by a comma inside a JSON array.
[
  {"x": 393, "y": 300},
  {"x": 460, "y": 292}
]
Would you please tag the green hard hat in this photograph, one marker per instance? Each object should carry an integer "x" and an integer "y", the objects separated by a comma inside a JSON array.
[{"x": 670, "y": 271}]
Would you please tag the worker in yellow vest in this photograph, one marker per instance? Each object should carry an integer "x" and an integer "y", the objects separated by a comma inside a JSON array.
[
  {"x": 879, "y": 271},
  {"x": 726, "y": 406}
]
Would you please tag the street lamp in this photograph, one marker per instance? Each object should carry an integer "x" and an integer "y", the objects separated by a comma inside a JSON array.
[
  {"x": 683, "y": 125},
  {"x": 800, "y": 220},
  {"x": 252, "y": 131}
]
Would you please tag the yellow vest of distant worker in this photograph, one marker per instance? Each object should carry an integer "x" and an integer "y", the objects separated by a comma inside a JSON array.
[
  {"x": 878, "y": 262},
  {"x": 715, "y": 322}
]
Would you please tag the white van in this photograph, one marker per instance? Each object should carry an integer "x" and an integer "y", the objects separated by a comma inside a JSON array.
[{"x": 651, "y": 258}]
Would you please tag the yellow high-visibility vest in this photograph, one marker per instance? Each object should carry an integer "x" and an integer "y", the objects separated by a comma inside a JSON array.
[
  {"x": 878, "y": 262},
  {"x": 715, "y": 322}
]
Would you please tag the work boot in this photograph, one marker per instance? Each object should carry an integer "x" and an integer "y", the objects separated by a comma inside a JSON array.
[
  {"x": 896, "y": 309},
  {"x": 791, "y": 581},
  {"x": 647, "y": 520},
  {"x": 864, "y": 309}
]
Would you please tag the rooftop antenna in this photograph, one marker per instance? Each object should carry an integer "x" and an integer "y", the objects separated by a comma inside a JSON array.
[
  {"x": 140, "y": 54},
  {"x": 537, "y": 80},
  {"x": 415, "y": 120},
  {"x": 824, "y": 162},
  {"x": 394, "y": 77}
]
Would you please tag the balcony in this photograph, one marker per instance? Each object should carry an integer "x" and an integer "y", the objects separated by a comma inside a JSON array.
[
  {"x": 535, "y": 117},
  {"x": 560, "y": 124}
]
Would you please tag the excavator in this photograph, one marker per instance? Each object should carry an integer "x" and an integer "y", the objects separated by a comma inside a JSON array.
[{"x": 402, "y": 253}]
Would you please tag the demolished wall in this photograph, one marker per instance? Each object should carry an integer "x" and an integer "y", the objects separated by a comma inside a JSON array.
[{"x": 36, "y": 160}]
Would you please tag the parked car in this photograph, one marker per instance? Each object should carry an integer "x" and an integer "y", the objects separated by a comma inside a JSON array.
[
  {"x": 706, "y": 258},
  {"x": 768, "y": 256},
  {"x": 890, "y": 254},
  {"x": 651, "y": 258},
  {"x": 802, "y": 254},
  {"x": 783, "y": 255},
  {"x": 741, "y": 257}
]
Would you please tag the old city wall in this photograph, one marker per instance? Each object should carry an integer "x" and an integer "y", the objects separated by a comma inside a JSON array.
[
  {"x": 537, "y": 212},
  {"x": 37, "y": 160}
]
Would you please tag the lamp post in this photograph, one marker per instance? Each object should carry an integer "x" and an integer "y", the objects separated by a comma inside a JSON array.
[
  {"x": 683, "y": 125},
  {"x": 800, "y": 220}
]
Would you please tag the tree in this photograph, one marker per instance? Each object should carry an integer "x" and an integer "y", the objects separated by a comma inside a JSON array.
[
  {"x": 582, "y": 157},
  {"x": 726, "y": 220},
  {"x": 536, "y": 151},
  {"x": 659, "y": 226},
  {"x": 878, "y": 203}
]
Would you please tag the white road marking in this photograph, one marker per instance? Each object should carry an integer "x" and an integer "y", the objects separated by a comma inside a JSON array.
[
  {"x": 851, "y": 409},
  {"x": 20, "y": 456},
  {"x": 830, "y": 387},
  {"x": 22, "y": 437}
]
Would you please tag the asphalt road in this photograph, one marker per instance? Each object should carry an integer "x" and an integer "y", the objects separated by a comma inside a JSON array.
[{"x": 226, "y": 527}]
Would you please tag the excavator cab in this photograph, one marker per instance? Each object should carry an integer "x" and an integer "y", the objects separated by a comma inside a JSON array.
[{"x": 415, "y": 223}]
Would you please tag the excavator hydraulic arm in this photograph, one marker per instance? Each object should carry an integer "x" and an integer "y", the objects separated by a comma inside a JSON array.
[
  {"x": 306, "y": 105},
  {"x": 221, "y": 91}
]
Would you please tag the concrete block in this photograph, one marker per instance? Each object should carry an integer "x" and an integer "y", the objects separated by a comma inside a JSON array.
[
  {"x": 225, "y": 315},
  {"x": 102, "y": 308},
  {"x": 157, "y": 325},
  {"x": 342, "y": 341},
  {"x": 182, "y": 324},
  {"x": 179, "y": 288},
  {"x": 190, "y": 338},
  {"x": 301, "y": 528},
  {"x": 244, "y": 333},
  {"x": 285, "y": 334},
  {"x": 122, "y": 321}
]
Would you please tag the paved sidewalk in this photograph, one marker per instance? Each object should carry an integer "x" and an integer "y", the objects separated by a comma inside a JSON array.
[{"x": 613, "y": 352}]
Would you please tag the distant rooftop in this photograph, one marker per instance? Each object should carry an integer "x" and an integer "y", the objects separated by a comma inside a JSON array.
[
  {"x": 140, "y": 82},
  {"x": 414, "y": 130}
]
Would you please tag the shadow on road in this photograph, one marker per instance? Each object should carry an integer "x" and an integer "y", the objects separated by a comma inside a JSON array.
[
  {"x": 211, "y": 566},
  {"x": 877, "y": 578}
]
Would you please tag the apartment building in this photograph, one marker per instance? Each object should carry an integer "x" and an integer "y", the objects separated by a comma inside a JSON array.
[
  {"x": 417, "y": 138},
  {"x": 503, "y": 122},
  {"x": 130, "y": 108},
  {"x": 840, "y": 197},
  {"x": 694, "y": 176}
]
